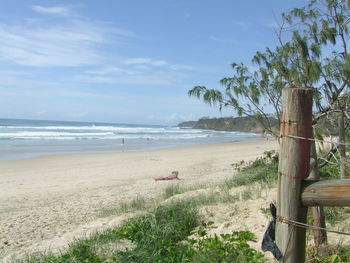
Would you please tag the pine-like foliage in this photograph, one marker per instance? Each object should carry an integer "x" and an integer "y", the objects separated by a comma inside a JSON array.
[{"x": 312, "y": 53}]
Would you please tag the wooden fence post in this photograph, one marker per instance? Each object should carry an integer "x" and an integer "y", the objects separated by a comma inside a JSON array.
[{"x": 294, "y": 165}]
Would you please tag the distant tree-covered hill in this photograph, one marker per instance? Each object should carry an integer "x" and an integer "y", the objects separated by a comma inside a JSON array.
[{"x": 244, "y": 124}]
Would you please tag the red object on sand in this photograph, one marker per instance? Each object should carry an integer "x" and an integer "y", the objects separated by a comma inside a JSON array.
[{"x": 174, "y": 176}]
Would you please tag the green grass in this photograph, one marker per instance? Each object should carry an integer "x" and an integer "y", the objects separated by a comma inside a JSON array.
[
  {"x": 335, "y": 214},
  {"x": 330, "y": 171},
  {"x": 136, "y": 204},
  {"x": 173, "y": 233},
  {"x": 247, "y": 194},
  {"x": 153, "y": 237},
  {"x": 157, "y": 235},
  {"x": 163, "y": 236},
  {"x": 328, "y": 254},
  {"x": 172, "y": 190},
  {"x": 262, "y": 170},
  {"x": 232, "y": 247}
]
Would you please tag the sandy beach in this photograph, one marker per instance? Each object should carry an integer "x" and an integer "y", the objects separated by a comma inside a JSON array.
[{"x": 49, "y": 201}]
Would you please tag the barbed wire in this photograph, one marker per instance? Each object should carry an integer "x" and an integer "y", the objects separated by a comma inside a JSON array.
[
  {"x": 335, "y": 144},
  {"x": 281, "y": 219},
  {"x": 315, "y": 140}
]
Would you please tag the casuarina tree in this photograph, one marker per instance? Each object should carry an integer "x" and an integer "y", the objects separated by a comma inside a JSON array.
[{"x": 312, "y": 52}]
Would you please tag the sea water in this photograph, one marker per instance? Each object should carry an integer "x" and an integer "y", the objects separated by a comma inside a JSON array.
[{"x": 30, "y": 138}]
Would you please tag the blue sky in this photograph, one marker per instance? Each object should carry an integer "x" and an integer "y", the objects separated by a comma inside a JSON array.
[{"x": 125, "y": 61}]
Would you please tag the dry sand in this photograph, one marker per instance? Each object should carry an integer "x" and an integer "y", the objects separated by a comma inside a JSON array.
[{"x": 49, "y": 201}]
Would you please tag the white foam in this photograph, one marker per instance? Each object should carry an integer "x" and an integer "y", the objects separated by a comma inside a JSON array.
[{"x": 110, "y": 132}]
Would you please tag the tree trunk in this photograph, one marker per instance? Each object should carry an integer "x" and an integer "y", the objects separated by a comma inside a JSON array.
[
  {"x": 320, "y": 236},
  {"x": 343, "y": 168}
]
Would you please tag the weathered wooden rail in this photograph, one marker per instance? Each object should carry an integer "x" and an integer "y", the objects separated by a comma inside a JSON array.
[
  {"x": 326, "y": 193},
  {"x": 295, "y": 194}
]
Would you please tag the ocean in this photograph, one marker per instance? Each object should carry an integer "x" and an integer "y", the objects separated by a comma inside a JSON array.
[{"x": 21, "y": 139}]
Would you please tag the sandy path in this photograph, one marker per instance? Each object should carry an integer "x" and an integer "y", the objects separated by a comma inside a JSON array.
[{"x": 48, "y": 201}]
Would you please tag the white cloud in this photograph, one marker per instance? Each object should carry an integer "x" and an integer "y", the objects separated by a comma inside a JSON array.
[
  {"x": 53, "y": 10},
  {"x": 110, "y": 70},
  {"x": 144, "y": 61},
  {"x": 139, "y": 78},
  {"x": 142, "y": 67},
  {"x": 181, "y": 67},
  {"x": 243, "y": 24},
  {"x": 84, "y": 94},
  {"x": 140, "y": 71},
  {"x": 69, "y": 42},
  {"x": 51, "y": 46}
]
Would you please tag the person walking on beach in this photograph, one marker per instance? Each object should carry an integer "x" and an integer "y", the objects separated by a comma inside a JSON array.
[{"x": 123, "y": 144}]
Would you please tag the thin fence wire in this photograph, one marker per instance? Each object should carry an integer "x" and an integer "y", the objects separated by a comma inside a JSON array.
[
  {"x": 303, "y": 225},
  {"x": 307, "y": 226},
  {"x": 315, "y": 140},
  {"x": 336, "y": 144}
]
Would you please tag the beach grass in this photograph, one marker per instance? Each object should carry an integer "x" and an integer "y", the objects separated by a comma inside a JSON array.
[
  {"x": 334, "y": 215},
  {"x": 328, "y": 254},
  {"x": 174, "y": 232},
  {"x": 157, "y": 235},
  {"x": 262, "y": 170},
  {"x": 171, "y": 233},
  {"x": 255, "y": 175},
  {"x": 172, "y": 190},
  {"x": 136, "y": 204},
  {"x": 147, "y": 238}
]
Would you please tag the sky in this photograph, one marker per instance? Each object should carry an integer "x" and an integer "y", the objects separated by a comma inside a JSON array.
[{"x": 130, "y": 61}]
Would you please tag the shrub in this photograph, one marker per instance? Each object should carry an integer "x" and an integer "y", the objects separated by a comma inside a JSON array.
[
  {"x": 224, "y": 248},
  {"x": 157, "y": 235}
]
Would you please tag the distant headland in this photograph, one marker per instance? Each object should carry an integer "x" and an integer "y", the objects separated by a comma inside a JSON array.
[{"x": 243, "y": 124}]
